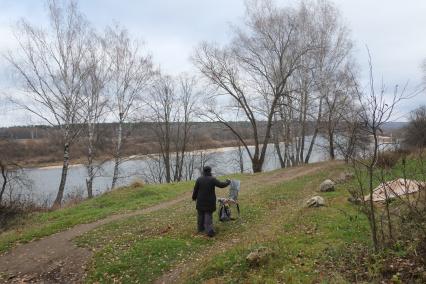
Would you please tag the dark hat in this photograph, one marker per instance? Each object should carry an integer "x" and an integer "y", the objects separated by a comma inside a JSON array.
[{"x": 207, "y": 169}]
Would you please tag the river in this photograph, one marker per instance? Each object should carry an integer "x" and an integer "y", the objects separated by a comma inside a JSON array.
[{"x": 45, "y": 181}]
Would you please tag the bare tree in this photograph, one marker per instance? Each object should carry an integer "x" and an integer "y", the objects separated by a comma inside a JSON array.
[
  {"x": 337, "y": 102},
  {"x": 316, "y": 90},
  {"x": 352, "y": 138},
  {"x": 189, "y": 165},
  {"x": 375, "y": 111},
  {"x": 131, "y": 73},
  {"x": 154, "y": 171},
  {"x": 415, "y": 132},
  {"x": 172, "y": 110},
  {"x": 205, "y": 159},
  {"x": 95, "y": 103},
  {"x": 254, "y": 70},
  {"x": 12, "y": 175},
  {"x": 291, "y": 121},
  {"x": 161, "y": 100},
  {"x": 16, "y": 185},
  {"x": 332, "y": 67},
  {"x": 287, "y": 130},
  {"x": 187, "y": 103},
  {"x": 51, "y": 65},
  {"x": 5, "y": 179},
  {"x": 239, "y": 159},
  {"x": 6, "y": 169}
]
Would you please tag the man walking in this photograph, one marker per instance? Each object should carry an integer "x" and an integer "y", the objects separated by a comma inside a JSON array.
[{"x": 205, "y": 195}]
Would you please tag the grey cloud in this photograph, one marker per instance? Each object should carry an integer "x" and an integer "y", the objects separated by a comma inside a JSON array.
[{"x": 393, "y": 30}]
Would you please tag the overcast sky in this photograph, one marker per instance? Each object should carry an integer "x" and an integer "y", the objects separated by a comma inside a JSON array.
[{"x": 394, "y": 30}]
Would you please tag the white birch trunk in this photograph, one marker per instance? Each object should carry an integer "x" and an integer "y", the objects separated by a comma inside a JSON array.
[
  {"x": 117, "y": 155},
  {"x": 60, "y": 194}
]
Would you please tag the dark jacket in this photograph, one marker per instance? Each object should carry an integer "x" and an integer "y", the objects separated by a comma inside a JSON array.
[{"x": 204, "y": 192}]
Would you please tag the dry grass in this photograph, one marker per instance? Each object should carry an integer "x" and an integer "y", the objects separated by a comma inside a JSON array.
[
  {"x": 389, "y": 159},
  {"x": 137, "y": 183}
]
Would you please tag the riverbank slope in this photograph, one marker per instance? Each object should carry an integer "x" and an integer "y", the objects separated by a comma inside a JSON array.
[{"x": 159, "y": 244}]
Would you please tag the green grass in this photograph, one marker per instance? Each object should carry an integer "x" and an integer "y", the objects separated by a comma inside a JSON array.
[
  {"x": 37, "y": 225},
  {"x": 268, "y": 212},
  {"x": 140, "y": 263},
  {"x": 297, "y": 250},
  {"x": 300, "y": 246},
  {"x": 307, "y": 243},
  {"x": 311, "y": 243}
]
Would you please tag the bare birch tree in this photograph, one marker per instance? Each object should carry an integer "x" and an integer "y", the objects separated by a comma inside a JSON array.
[
  {"x": 131, "y": 73},
  {"x": 95, "y": 102},
  {"x": 50, "y": 64}
]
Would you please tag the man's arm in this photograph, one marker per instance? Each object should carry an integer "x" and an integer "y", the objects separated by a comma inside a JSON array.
[
  {"x": 221, "y": 184},
  {"x": 195, "y": 192}
]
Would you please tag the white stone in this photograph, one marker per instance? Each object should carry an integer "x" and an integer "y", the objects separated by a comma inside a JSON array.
[
  {"x": 315, "y": 201},
  {"x": 327, "y": 185}
]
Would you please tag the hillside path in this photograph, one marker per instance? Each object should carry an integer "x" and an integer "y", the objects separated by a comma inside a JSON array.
[
  {"x": 187, "y": 267},
  {"x": 56, "y": 259}
]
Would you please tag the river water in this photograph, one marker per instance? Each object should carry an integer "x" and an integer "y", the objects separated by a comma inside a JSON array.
[{"x": 45, "y": 181}]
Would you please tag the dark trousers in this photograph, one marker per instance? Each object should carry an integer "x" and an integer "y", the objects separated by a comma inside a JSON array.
[{"x": 205, "y": 221}]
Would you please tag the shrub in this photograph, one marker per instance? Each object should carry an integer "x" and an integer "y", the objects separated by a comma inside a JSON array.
[
  {"x": 415, "y": 132},
  {"x": 137, "y": 183},
  {"x": 389, "y": 159},
  {"x": 8, "y": 213},
  {"x": 12, "y": 211},
  {"x": 74, "y": 197}
]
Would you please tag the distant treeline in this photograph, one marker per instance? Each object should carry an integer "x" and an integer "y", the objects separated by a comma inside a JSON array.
[
  {"x": 143, "y": 130},
  {"x": 38, "y": 144}
]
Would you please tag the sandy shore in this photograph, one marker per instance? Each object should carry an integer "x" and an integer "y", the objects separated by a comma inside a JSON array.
[{"x": 139, "y": 157}]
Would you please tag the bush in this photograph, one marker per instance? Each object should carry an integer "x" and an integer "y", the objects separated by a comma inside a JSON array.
[
  {"x": 73, "y": 198},
  {"x": 415, "y": 132},
  {"x": 12, "y": 212},
  {"x": 137, "y": 183},
  {"x": 389, "y": 159},
  {"x": 8, "y": 213}
]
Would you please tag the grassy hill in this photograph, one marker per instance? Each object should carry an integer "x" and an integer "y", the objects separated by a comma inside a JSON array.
[
  {"x": 329, "y": 244},
  {"x": 41, "y": 224},
  {"x": 273, "y": 215}
]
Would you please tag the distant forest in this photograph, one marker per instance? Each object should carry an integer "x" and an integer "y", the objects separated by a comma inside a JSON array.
[{"x": 42, "y": 145}]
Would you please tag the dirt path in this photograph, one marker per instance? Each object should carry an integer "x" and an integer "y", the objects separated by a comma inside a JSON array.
[
  {"x": 56, "y": 259},
  {"x": 187, "y": 267}
]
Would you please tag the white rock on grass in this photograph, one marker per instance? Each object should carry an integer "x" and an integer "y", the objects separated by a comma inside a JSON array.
[
  {"x": 327, "y": 185},
  {"x": 315, "y": 201},
  {"x": 258, "y": 256}
]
